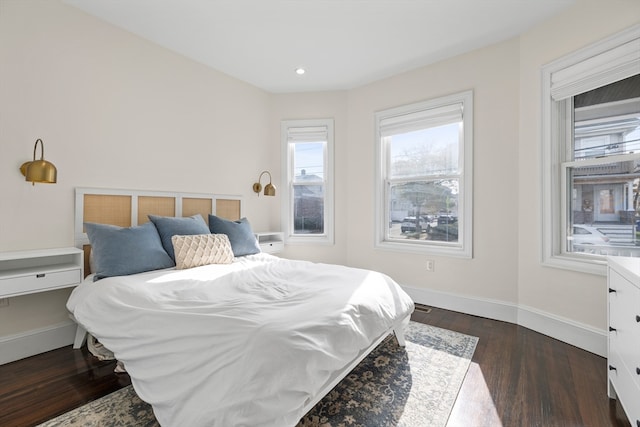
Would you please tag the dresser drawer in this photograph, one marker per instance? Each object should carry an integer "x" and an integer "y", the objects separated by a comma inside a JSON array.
[
  {"x": 39, "y": 281},
  {"x": 626, "y": 389},
  {"x": 632, "y": 357},
  {"x": 624, "y": 335}
]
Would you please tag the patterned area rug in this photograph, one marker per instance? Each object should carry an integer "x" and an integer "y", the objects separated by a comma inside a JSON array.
[{"x": 393, "y": 386}]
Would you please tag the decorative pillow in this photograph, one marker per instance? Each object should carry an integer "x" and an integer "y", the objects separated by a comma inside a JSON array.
[
  {"x": 169, "y": 226},
  {"x": 201, "y": 249},
  {"x": 243, "y": 241},
  {"x": 119, "y": 251}
]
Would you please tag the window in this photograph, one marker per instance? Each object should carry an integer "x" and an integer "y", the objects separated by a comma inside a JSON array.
[
  {"x": 308, "y": 162},
  {"x": 424, "y": 176},
  {"x": 591, "y": 154}
]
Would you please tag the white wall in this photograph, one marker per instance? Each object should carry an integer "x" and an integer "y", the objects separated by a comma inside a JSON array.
[
  {"x": 575, "y": 296},
  {"x": 320, "y": 105},
  {"x": 492, "y": 74},
  {"x": 114, "y": 111}
]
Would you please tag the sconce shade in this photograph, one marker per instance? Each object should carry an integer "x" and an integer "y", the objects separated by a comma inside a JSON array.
[
  {"x": 269, "y": 189},
  {"x": 39, "y": 170}
]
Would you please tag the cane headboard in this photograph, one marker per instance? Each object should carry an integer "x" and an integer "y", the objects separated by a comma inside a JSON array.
[{"x": 127, "y": 208}]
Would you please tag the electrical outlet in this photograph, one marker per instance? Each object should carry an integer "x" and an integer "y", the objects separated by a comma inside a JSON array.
[
  {"x": 430, "y": 265},
  {"x": 4, "y": 302}
]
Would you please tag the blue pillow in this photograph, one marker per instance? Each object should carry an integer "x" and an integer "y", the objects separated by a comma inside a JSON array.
[
  {"x": 119, "y": 251},
  {"x": 169, "y": 226},
  {"x": 243, "y": 241}
]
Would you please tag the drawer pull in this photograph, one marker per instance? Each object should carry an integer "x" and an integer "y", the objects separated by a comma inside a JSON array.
[
  {"x": 612, "y": 368},
  {"x": 612, "y": 291},
  {"x": 638, "y": 371},
  {"x": 637, "y": 318},
  {"x": 40, "y": 275},
  {"x": 612, "y": 329}
]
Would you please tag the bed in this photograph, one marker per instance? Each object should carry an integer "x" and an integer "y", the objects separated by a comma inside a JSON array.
[{"x": 250, "y": 339}]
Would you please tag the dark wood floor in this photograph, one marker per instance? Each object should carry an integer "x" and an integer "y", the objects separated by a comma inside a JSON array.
[{"x": 517, "y": 378}]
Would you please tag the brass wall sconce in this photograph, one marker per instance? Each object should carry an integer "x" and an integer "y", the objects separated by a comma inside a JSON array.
[
  {"x": 269, "y": 189},
  {"x": 39, "y": 170}
]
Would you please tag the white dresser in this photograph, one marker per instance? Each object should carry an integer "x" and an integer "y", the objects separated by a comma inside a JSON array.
[{"x": 623, "y": 279}]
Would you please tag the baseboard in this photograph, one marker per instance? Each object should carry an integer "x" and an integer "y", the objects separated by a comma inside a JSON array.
[
  {"x": 563, "y": 329},
  {"x": 575, "y": 333},
  {"x": 36, "y": 341},
  {"x": 491, "y": 309}
]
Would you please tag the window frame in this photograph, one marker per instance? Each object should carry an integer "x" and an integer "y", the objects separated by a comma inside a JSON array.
[
  {"x": 597, "y": 65},
  {"x": 464, "y": 248},
  {"x": 326, "y": 238}
]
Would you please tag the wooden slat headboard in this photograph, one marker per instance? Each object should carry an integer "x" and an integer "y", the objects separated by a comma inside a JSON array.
[{"x": 127, "y": 208}]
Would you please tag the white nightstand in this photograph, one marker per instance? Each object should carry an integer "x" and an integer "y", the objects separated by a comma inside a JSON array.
[
  {"x": 30, "y": 272},
  {"x": 270, "y": 241}
]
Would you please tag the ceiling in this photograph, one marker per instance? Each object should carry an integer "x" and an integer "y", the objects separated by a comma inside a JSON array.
[{"x": 342, "y": 44}]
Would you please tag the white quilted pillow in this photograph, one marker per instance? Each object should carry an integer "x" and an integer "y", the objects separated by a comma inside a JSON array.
[{"x": 201, "y": 249}]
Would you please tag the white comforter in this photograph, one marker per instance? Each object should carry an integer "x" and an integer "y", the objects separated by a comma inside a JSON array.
[{"x": 244, "y": 344}]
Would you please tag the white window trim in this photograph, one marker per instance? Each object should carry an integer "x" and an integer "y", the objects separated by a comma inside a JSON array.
[
  {"x": 465, "y": 202},
  {"x": 327, "y": 238},
  {"x": 599, "y": 64}
]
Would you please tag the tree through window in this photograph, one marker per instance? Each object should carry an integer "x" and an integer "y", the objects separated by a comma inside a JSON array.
[{"x": 424, "y": 176}]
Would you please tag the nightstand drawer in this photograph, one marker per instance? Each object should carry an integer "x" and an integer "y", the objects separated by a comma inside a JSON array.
[
  {"x": 39, "y": 281},
  {"x": 271, "y": 247},
  {"x": 270, "y": 242}
]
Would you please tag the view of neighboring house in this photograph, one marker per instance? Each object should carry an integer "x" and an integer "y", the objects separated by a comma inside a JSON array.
[
  {"x": 605, "y": 189},
  {"x": 308, "y": 203}
]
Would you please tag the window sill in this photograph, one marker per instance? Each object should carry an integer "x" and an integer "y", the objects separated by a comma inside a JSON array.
[
  {"x": 324, "y": 240},
  {"x": 580, "y": 264},
  {"x": 456, "y": 252}
]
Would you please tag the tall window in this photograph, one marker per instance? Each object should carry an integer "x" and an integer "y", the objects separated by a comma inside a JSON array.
[
  {"x": 591, "y": 154},
  {"x": 308, "y": 160},
  {"x": 424, "y": 176}
]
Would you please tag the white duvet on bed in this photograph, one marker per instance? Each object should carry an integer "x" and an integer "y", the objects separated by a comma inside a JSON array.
[{"x": 242, "y": 344}]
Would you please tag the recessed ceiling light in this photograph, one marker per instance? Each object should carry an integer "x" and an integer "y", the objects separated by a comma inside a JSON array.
[{"x": 300, "y": 71}]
